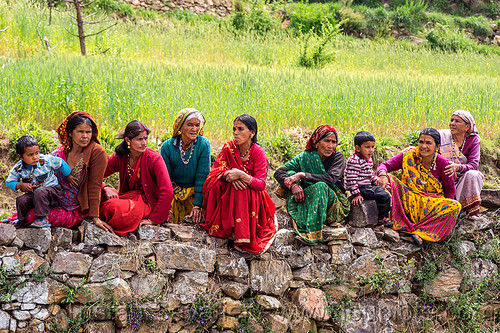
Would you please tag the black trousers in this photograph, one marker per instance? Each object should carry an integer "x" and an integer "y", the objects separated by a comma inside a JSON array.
[
  {"x": 41, "y": 199},
  {"x": 381, "y": 196}
]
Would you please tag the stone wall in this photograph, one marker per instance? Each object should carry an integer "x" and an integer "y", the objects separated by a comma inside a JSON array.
[
  {"x": 220, "y": 8},
  {"x": 90, "y": 280}
]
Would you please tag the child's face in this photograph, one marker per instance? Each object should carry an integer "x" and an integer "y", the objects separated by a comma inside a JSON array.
[
  {"x": 366, "y": 149},
  {"x": 31, "y": 155}
]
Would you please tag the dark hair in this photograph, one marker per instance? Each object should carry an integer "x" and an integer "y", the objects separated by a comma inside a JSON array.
[
  {"x": 362, "y": 137},
  {"x": 431, "y": 132},
  {"x": 250, "y": 123},
  {"x": 24, "y": 142},
  {"x": 79, "y": 120},
  {"x": 133, "y": 129}
]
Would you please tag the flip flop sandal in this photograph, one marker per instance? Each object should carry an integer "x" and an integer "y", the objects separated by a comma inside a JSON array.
[
  {"x": 43, "y": 224},
  {"x": 417, "y": 239}
]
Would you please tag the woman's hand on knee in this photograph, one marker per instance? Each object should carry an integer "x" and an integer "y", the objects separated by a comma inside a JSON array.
[
  {"x": 298, "y": 193},
  {"x": 289, "y": 181},
  {"x": 382, "y": 180},
  {"x": 110, "y": 193},
  {"x": 196, "y": 214}
]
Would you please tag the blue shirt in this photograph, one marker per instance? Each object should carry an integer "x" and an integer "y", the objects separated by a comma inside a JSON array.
[{"x": 40, "y": 174}]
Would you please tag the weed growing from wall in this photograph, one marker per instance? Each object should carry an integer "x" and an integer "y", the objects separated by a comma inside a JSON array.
[{"x": 204, "y": 312}]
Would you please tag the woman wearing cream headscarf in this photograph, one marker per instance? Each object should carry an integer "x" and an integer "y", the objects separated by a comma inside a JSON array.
[
  {"x": 461, "y": 146},
  {"x": 187, "y": 156}
]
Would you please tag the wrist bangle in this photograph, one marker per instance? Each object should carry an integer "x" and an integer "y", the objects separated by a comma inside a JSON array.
[{"x": 195, "y": 206}]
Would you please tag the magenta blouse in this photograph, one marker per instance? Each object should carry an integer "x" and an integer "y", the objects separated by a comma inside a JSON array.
[{"x": 396, "y": 163}]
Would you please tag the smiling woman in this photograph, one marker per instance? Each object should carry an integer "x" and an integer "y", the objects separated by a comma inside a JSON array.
[
  {"x": 187, "y": 156},
  {"x": 312, "y": 185},
  {"x": 423, "y": 200}
]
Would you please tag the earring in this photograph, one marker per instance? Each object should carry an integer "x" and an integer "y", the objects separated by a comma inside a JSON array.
[
  {"x": 128, "y": 145},
  {"x": 179, "y": 132}
]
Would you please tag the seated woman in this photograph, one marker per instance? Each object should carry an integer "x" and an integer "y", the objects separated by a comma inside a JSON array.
[
  {"x": 87, "y": 159},
  {"x": 461, "y": 145},
  {"x": 312, "y": 185},
  {"x": 187, "y": 156},
  {"x": 145, "y": 193},
  {"x": 422, "y": 201},
  {"x": 234, "y": 196}
]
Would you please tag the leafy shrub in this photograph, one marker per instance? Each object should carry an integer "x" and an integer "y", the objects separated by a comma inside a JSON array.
[
  {"x": 310, "y": 17},
  {"x": 316, "y": 51},
  {"x": 354, "y": 21},
  {"x": 448, "y": 39},
  {"x": 184, "y": 15},
  {"x": 378, "y": 21},
  {"x": 258, "y": 20},
  {"x": 479, "y": 25},
  {"x": 411, "y": 14},
  {"x": 47, "y": 140},
  {"x": 368, "y": 3},
  {"x": 114, "y": 6}
]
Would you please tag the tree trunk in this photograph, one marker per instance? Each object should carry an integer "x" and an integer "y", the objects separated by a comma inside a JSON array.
[{"x": 79, "y": 21}]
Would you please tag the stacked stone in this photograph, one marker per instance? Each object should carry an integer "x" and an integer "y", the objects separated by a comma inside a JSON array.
[
  {"x": 219, "y": 8},
  {"x": 292, "y": 282}
]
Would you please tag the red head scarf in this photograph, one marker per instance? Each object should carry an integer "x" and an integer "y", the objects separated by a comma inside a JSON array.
[
  {"x": 318, "y": 134},
  {"x": 64, "y": 137}
]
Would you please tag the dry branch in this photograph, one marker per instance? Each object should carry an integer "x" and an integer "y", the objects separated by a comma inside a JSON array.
[{"x": 4, "y": 29}]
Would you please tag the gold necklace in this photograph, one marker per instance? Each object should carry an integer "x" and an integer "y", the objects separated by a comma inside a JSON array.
[
  {"x": 184, "y": 151},
  {"x": 246, "y": 153}
]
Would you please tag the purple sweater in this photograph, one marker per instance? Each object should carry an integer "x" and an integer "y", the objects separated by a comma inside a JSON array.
[
  {"x": 471, "y": 150},
  {"x": 396, "y": 163}
]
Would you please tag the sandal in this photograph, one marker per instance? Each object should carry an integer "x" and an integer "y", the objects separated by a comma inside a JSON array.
[
  {"x": 40, "y": 223},
  {"x": 418, "y": 240},
  {"x": 14, "y": 222}
]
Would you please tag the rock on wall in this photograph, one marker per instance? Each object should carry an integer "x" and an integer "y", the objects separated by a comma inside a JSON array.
[
  {"x": 61, "y": 280},
  {"x": 220, "y": 8}
]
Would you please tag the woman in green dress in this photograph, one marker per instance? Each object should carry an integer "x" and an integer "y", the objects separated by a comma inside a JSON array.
[{"x": 312, "y": 185}]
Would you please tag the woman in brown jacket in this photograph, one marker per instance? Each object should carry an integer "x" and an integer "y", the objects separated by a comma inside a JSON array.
[{"x": 87, "y": 159}]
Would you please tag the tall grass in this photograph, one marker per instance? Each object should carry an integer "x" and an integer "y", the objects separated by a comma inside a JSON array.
[{"x": 153, "y": 69}]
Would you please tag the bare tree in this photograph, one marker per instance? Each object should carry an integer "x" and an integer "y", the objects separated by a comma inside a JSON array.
[{"x": 81, "y": 21}]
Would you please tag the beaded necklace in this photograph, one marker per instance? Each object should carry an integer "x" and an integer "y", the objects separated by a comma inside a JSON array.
[
  {"x": 463, "y": 143},
  {"x": 130, "y": 170},
  {"x": 184, "y": 151}
]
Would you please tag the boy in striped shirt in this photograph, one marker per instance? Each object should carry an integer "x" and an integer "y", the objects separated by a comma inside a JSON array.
[{"x": 359, "y": 176}]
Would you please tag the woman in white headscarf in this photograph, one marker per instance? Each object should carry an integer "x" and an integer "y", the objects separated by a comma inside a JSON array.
[{"x": 461, "y": 146}]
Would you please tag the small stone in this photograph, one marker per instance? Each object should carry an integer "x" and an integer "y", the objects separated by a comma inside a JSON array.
[
  {"x": 271, "y": 277},
  {"x": 331, "y": 234},
  {"x": 154, "y": 233},
  {"x": 445, "y": 284},
  {"x": 268, "y": 302},
  {"x": 7, "y": 233},
  {"x": 28, "y": 306},
  {"x": 42, "y": 314},
  {"x": 278, "y": 323},
  {"x": 303, "y": 325},
  {"x": 72, "y": 263},
  {"x": 342, "y": 254},
  {"x": 227, "y": 322},
  {"x": 363, "y": 215},
  {"x": 185, "y": 257},
  {"x": 232, "y": 267},
  {"x": 4, "y": 321},
  {"x": 21, "y": 315},
  {"x": 235, "y": 290},
  {"x": 466, "y": 248},
  {"x": 312, "y": 302},
  {"x": 232, "y": 307},
  {"x": 391, "y": 235},
  {"x": 188, "y": 285},
  {"x": 364, "y": 237},
  {"x": 35, "y": 238}
]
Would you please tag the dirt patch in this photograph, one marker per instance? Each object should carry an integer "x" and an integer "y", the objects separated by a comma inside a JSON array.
[{"x": 7, "y": 196}]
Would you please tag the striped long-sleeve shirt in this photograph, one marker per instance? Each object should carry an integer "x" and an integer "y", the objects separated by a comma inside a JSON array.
[{"x": 358, "y": 172}]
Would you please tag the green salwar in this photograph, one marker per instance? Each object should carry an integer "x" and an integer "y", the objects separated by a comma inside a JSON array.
[{"x": 323, "y": 203}]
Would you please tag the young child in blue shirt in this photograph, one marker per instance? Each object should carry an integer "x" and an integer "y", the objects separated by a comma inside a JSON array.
[{"x": 34, "y": 175}]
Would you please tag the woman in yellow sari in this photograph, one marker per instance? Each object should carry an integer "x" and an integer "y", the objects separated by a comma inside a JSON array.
[{"x": 423, "y": 199}]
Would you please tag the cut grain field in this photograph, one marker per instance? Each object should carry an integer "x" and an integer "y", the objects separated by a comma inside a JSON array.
[{"x": 154, "y": 69}]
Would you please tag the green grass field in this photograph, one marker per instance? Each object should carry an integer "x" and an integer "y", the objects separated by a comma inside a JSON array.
[{"x": 154, "y": 69}]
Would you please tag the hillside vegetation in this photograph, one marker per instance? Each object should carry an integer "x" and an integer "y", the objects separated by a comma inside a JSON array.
[{"x": 156, "y": 64}]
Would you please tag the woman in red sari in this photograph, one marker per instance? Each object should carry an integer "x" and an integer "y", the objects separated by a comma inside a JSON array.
[
  {"x": 234, "y": 196},
  {"x": 145, "y": 193}
]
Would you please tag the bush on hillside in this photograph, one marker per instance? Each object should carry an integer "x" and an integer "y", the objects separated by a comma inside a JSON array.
[
  {"x": 411, "y": 15},
  {"x": 448, "y": 39},
  {"x": 479, "y": 25},
  {"x": 316, "y": 50},
  {"x": 310, "y": 17},
  {"x": 257, "y": 20},
  {"x": 354, "y": 21},
  {"x": 378, "y": 21}
]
